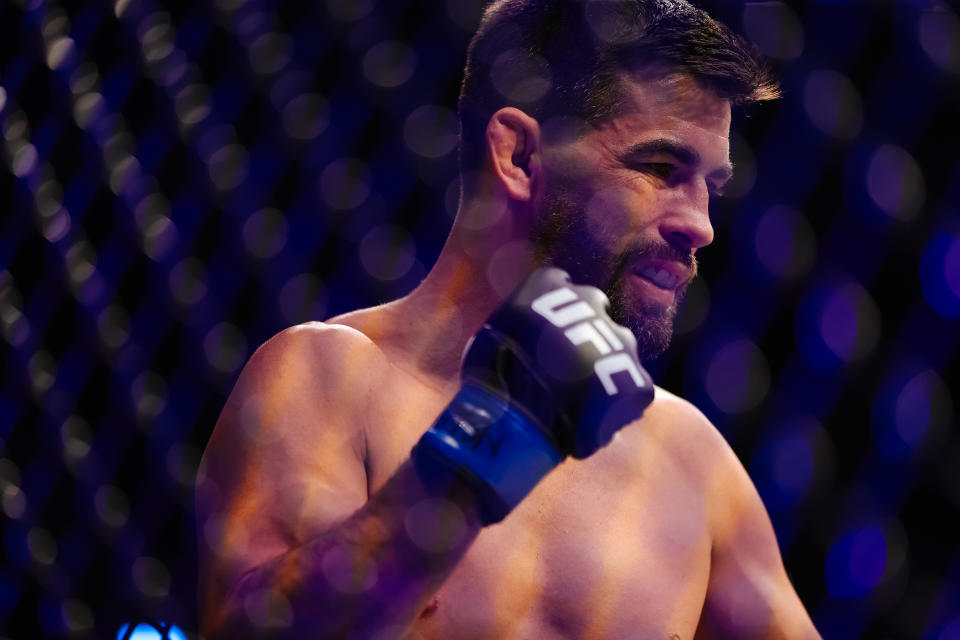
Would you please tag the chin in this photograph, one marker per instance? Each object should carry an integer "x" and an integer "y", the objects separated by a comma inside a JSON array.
[{"x": 652, "y": 325}]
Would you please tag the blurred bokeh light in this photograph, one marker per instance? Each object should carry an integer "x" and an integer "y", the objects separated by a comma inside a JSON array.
[{"x": 183, "y": 180}]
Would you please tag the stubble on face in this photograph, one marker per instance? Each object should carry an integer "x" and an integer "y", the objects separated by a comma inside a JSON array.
[{"x": 564, "y": 238}]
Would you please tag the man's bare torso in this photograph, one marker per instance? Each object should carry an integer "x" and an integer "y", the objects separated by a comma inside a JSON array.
[
  {"x": 660, "y": 534},
  {"x": 614, "y": 546}
]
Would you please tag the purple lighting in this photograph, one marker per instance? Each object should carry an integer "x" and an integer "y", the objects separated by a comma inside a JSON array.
[
  {"x": 784, "y": 242},
  {"x": 833, "y": 103},
  {"x": 951, "y": 267},
  {"x": 910, "y": 411},
  {"x": 912, "y": 417},
  {"x": 387, "y": 252},
  {"x": 856, "y": 563},
  {"x": 185, "y": 180},
  {"x": 951, "y": 631},
  {"x": 786, "y": 466},
  {"x": 895, "y": 182},
  {"x": 775, "y": 28},
  {"x": 940, "y": 274},
  {"x": 793, "y": 465},
  {"x": 938, "y": 30},
  {"x": 738, "y": 376},
  {"x": 9, "y": 593},
  {"x": 840, "y": 324}
]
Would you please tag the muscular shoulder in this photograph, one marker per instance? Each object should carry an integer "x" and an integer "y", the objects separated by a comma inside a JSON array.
[
  {"x": 677, "y": 410},
  {"x": 749, "y": 594},
  {"x": 318, "y": 357},
  {"x": 686, "y": 435},
  {"x": 302, "y": 390},
  {"x": 683, "y": 430}
]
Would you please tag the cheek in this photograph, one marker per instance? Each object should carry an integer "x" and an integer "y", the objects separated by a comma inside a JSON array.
[{"x": 618, "y": 214}]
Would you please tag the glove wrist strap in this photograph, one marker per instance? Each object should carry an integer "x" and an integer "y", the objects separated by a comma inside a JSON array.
[{"x": 494, "y": 448}]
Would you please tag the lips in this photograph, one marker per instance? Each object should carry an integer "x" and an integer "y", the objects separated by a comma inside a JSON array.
[
  {"x": 665, "y": 275},
  {"x": 660, "y": 277}
]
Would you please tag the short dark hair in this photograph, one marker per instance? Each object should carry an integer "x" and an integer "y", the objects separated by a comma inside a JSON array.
[{"x": 562, "y": 58}]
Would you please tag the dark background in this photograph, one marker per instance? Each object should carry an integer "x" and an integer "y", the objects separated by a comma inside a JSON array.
[{"x": 179, "y": 181}]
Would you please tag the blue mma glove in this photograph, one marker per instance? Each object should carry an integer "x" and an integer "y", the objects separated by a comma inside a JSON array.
[{"x": 549, "y": 375}]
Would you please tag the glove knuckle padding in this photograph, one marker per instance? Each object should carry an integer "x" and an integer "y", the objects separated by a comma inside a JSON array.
[
  {"x": 495, "y": 363},
  {"x": 587, "y": 361}
]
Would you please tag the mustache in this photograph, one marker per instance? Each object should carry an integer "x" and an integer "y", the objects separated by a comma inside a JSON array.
[{"x": 658, "y": 251}]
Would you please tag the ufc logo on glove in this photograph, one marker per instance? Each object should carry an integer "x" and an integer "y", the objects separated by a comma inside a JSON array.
[{"x": 562, "y": 308}]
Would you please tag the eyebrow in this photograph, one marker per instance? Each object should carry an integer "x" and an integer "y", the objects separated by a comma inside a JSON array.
[{"x": 684, "y": 154}]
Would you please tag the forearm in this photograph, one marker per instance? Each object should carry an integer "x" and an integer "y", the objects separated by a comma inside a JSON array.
[{"x": 374, "y": 570}]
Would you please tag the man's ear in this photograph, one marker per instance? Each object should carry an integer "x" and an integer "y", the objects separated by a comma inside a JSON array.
[{"x": 513, "y": 145}]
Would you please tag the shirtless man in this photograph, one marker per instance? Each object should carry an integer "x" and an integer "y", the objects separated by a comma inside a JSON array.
[{"x": 317, "y": 521}]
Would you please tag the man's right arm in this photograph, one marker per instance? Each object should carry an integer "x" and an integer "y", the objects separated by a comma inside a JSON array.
[
  {"x": 290, "y": 542},
  {"x": 549, "y": 375}
]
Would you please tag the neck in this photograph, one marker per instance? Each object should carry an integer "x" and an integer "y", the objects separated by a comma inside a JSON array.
[{"x": 485, "y": 258}]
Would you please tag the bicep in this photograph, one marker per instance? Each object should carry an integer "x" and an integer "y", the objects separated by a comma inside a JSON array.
[
  {"x": 285, "y": 461},
  {"x": 749, "y": 593}
]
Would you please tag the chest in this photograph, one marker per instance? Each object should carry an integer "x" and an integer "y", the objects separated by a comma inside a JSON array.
[
  {"x": 613, "y": 546},
  {"x": 580, "y": 559}
]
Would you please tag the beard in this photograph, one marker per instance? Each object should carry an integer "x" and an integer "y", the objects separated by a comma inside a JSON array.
[{"x": 566, "y": 239}]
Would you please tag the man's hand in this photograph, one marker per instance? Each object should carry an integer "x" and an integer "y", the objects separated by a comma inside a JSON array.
[{"x": 549, "y": 375}]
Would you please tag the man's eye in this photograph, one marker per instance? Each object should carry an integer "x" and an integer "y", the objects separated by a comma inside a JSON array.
[{"x": 662, "y": 170}]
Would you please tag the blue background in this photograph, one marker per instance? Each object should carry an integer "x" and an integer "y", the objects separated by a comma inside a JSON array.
[{"x": 179, "y": 181}]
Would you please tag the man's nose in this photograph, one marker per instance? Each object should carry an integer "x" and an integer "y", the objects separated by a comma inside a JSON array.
[{"x": 686, "y": 222}]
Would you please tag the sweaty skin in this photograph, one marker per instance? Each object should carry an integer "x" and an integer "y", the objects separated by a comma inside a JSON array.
[{"x": 659, "y": 535}]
